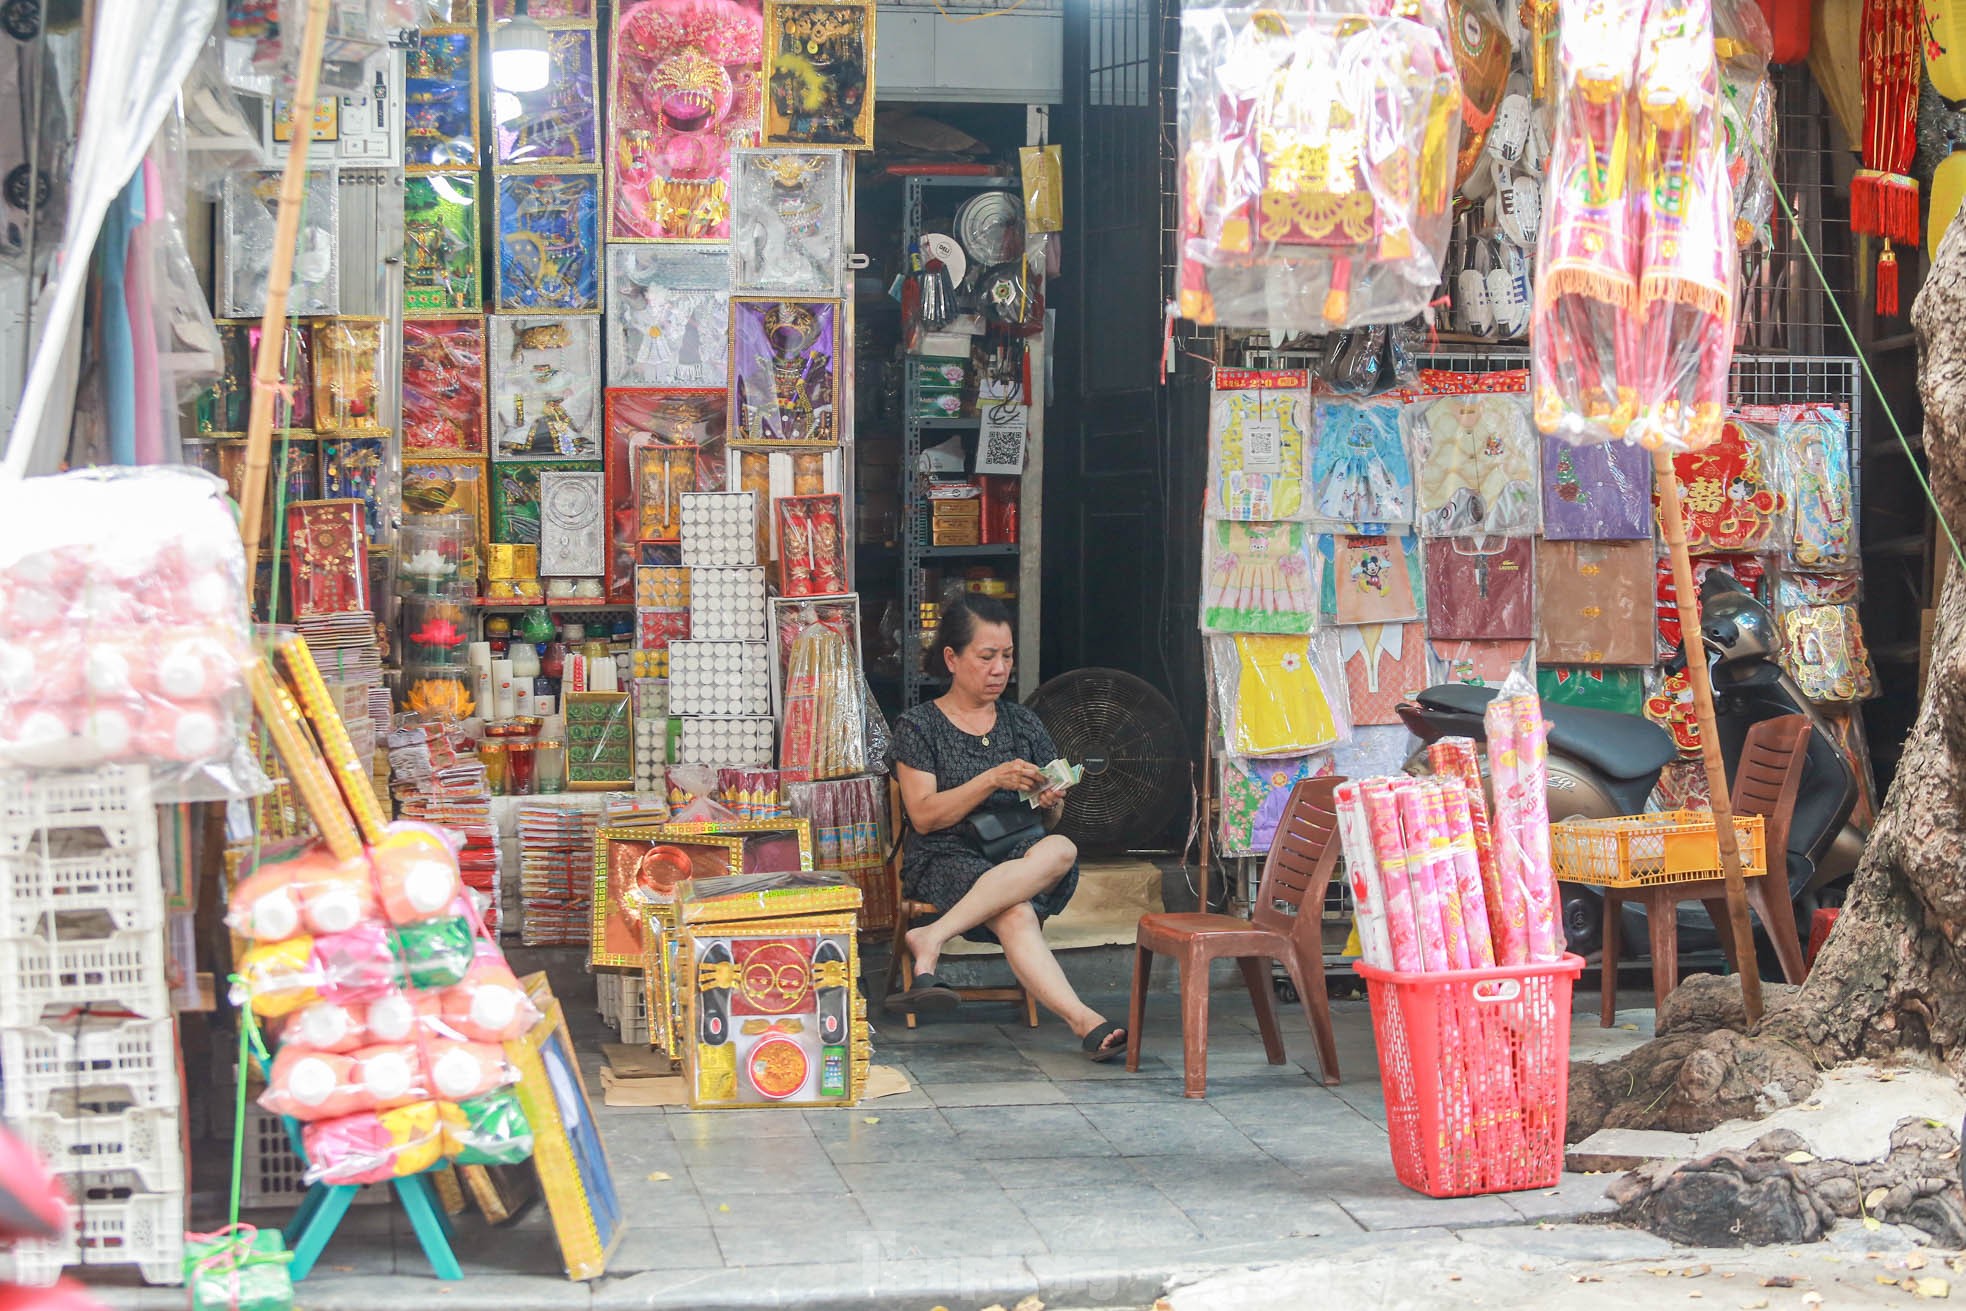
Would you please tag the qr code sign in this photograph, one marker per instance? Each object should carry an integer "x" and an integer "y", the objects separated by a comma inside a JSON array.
[{"x": 1000, "y": 445}]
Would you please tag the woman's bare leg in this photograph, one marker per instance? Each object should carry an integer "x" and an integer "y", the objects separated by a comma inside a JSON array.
[
  {"x": 1031, "y": 960},
  {"x": 1000, "y": 887}
]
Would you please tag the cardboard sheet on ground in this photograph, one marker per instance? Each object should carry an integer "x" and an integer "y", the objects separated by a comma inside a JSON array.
[{"x": 620, "y": 1088}]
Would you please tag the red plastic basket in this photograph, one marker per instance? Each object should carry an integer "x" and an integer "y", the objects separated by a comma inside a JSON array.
[{"x": 1476, "y": 1069}]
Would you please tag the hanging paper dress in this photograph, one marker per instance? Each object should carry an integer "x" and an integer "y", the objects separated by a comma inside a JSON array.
[
  {"x": 1360, "y": 474},
  {"x": 1599, "y": 493},
  {"x": 1477, "y": 465},
  {"x": 1258, "y": 578},
  {"x": 1256, "y": 443}
]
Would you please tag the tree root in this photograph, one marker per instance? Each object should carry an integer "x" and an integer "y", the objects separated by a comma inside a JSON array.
[{"x": 1774, "y": 1191}]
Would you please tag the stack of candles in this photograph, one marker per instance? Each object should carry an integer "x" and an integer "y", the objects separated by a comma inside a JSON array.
[{"x": 1437, "y": 884}]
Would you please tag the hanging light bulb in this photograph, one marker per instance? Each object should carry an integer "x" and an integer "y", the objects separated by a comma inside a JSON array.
[{"x": 521, "y": 60}]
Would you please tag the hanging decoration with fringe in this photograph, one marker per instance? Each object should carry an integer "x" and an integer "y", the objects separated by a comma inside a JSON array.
[{"x": 1883, "y": 197}]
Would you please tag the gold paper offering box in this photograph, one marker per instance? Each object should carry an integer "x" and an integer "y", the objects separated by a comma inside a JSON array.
[
  {"x": 771, "y": 1016},
  {"x": 738, "y": 897}
]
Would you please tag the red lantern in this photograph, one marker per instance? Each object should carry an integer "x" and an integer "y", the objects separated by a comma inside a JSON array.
[{"x": 1788, "y": 23}]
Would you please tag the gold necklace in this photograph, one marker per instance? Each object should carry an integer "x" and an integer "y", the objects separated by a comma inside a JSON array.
[{"x": 982, "y": 737}]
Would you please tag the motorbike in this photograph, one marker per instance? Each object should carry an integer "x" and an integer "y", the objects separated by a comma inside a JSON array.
[{"x": 1603, "y": 764}]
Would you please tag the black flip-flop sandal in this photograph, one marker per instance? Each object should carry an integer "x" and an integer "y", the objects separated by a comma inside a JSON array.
[
  {"x": 927, "y": 993},
  {"x": 1094, "y": 1043}
]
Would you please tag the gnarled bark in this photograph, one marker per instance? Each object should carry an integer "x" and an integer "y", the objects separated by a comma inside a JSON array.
[{"x": 1892, "y": 977}]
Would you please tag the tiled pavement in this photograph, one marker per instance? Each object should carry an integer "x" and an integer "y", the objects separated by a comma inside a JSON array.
[{"x": 1012, "y": 1166}]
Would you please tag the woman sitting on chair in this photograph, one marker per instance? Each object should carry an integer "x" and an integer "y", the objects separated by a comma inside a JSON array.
[{"x": 976, "y": 851}]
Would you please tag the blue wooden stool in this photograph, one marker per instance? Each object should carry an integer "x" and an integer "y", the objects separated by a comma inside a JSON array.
[{"x": 320, "y": 1213}]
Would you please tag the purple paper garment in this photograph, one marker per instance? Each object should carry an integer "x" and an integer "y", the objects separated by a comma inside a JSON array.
[{"x": 1596, "y": 493}]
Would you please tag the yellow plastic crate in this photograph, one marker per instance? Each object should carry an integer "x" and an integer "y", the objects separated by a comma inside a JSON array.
[{"x": 1640, "y": 851}]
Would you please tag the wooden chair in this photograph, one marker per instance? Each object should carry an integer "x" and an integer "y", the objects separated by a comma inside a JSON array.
[
  {"x": 1287, "y": 925},
  {"x": 1765, "y": 783},
  {"x": 908, "y": 913}
]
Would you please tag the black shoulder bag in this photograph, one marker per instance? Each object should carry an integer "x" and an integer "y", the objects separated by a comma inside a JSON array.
[{"x": 996, "y": 833}]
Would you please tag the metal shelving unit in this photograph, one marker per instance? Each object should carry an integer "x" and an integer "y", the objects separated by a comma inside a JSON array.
[{"x": 915, "y": 550}]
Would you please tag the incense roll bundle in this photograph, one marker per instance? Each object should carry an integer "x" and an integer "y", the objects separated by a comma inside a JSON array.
[
  {"x": 1362, "y": 877},
  {"x": 1467, "y": 874},
  {"x": 1437, "y": 865},
  {"x": 1389, "y": 859},
  {"x": 1454, "y": 757},
  {"x": 1513, "y": 947},
  {"x": 1410, "y": 852},
  {"x": 350, "y": 774},
  {"x": 287, "y": 729},
  {"x": 1546, "y": 941}
]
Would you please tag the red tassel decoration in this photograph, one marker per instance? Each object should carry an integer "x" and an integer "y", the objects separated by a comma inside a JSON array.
[{"x": 1887, "y": 283}]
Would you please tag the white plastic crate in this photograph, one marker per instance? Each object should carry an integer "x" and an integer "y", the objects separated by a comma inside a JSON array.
[
  {"x": 115, "y": 799},
  {"x": 607, "y": 996},
  {"x": 117, "y": 1224},
  {"x": 68, "y": 872},
  {"x": 145, "y": 1142},
  {"x": 272, "y": 1171},
  {"x": 57, "y": 1071},
  {"x": 123, "y": 970}
]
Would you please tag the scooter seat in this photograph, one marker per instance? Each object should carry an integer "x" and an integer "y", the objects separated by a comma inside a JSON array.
[{"x": 1620, "y": 746}]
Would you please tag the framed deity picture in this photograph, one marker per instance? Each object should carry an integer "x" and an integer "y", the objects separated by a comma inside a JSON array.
[
  {"x": 819, "y": 74},
  {"x": 443, "y": 484},
  {"x": 771, "y": 846},
  {"x": 348, "y": 375},
  {"x": 444, "y": 386},
  {"x": 352, "y": 469},
  {"x": 549, "y": 242},
  {"x": 784, "y": 371},
  {"x": 515, "y": 497},
  {"x": 634, "y": 867},
  {"x": 546, "y": 388},
  {"x": 683, "y": 88},
  {"x": 226, "y": 405},
  {"x": 661, "y": 444},
  {"x": 558, "y": 124},
  {"x": 787, "y": 222},
  {"x": 668, "y": 316},
  {"x": 329, "y": 561},
  {"x": 441, "y": 88},
  {"x": 250, "y": 205},
  {"x": 572, "y": 525},
  {"x": 442, "y": 268}
]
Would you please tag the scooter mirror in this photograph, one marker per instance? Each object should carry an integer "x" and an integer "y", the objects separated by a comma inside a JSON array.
[{"x": 1734, "y": 626}]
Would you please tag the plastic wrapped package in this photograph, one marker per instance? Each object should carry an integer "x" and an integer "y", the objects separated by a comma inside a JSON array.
[
  {"x": 434, "y": 953},
  {"x": 1042, "y": 170},
  {"x": 304, "y": 892},
  {"x": 824, "y": 734},
  {"x": 487, "y": 1005},
  {"x": 489, "y": 1130},
  {"x": 1479, "y": 664},
  {"x": 123, "y": 607},
  {"x": 1361, "y": 477},
  {"x": 1476, "y": 455},
  {"x": 1481, "y": 588},
  {"x": 310, "y": 1085},
  {"x": 358, "y": 961},
  {"x": 1730, "y": 490},
  {"x": 1823, "y": 650},
  {"x": 278, "y": 978},
  {"x": 416, "y": 872},
  {"x": 1593, "y": 603},
  {"x": 250, "y": 217},
  {"x": 1592, "y": 687},
  {"x": 1317, "y": 167},
  {"x": 1795, "y": 589},
  {"x": 375, "y": 1146},
  {"x": 1819, "y": 527},
  {"x": 1258, "y": 443},
  {"x": 1279, "y": 696},
  {"x": 1254, "y": 796},
  {"x": 1371, "y": 578},
  {"x": 1744, "y": 46},
  {"x": 1690, "y": 260},
  {"x": 1258, "y": 577},
  {"x": 1599, "y": 493},
  {"x": 1583, "y": 332}
]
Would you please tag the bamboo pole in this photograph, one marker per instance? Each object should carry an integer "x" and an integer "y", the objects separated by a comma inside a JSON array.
[
  {"x": 279, "y": 280},
  {"x": 1701, "y": 679}
]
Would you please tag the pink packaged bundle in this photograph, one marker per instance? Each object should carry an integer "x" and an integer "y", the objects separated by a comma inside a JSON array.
[
  {"x": 399, "y": 1016},
  {"x": 280, "y": 977},
  {"x": 489, "y": 1005},
  {"x": 355, "y": 962},
  {"x": 375, "y": 1146},
  {"x": 308, "y": 891},
  {"x": 416, "y": 872},
  {"x": 122, "y": 600},
  {"x": 328, "y": 1026}
]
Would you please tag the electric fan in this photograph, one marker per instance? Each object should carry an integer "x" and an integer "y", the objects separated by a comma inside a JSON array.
[{"x": 1136, "y": 768}]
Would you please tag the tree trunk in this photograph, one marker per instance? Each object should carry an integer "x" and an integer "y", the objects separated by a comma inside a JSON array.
[{"x": 1893, "y": 975}]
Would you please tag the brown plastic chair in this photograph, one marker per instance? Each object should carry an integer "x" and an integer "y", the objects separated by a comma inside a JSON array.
[
  {"x": 1287, "y": 926},
  {"x": 1765, "y": 783},
  {"x": 908, "y": 913}
]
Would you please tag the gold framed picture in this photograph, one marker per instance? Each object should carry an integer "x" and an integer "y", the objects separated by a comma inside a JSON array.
[
  {"x": 635, "y": 867},
  {"x": 819, "y": 74}
]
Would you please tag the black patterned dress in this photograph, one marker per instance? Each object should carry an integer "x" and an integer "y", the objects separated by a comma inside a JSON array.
[{"x": 941, "y": 867}]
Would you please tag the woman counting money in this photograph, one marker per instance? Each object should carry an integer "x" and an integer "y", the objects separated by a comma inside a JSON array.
[{"x": 978, "y": 852}]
